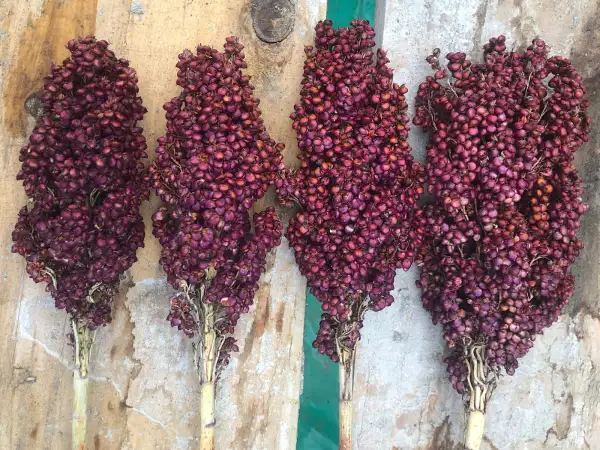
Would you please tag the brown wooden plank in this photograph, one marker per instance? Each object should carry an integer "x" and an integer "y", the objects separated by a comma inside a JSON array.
[
  {"x": 34, "y": 387},
  {"x": 143, "y": 391}
]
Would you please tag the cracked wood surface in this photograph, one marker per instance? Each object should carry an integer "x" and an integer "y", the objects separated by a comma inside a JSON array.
[
  {"x": 553, "y": 401},
  {"x": 143, "y": 391}
]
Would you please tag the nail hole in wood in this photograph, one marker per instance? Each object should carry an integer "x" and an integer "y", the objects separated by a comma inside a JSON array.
[{"x": 273, "y": 20}]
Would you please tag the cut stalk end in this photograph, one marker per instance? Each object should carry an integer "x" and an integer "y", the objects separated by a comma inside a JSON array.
[
  {"x": 79, "y": 423},
  {"x": 474, "y": 430},
  {"x": 206, "y": 358},
  {"x": 84, "y": 338},
  {"x": 207, "y": 416},
  {"x": 346, "y": 367},
  {"x": 345, "y": 425}
]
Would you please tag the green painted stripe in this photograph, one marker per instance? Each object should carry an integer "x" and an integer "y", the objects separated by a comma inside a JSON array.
[{"x": 318, "y": 417}]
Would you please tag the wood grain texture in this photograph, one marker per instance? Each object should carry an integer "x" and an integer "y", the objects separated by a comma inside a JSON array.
[
  {"x": 143, "y": 390},
  {"x": 403, "y": 399},
  {"x": 47, "y": 29}
]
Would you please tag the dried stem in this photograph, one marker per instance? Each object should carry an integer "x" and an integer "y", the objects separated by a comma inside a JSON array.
[
  {"x": 79, "y": 420},
  {"x": 84, "y": 338},
  {"x": 481, "y": 381},
  {"x": 346, "y": 346},
  {"x": 206, "y": 353},
  {"x": 474, "y": 430},
  {"x": 346, "y": 367},
  {"x": 207, "y": 363}
]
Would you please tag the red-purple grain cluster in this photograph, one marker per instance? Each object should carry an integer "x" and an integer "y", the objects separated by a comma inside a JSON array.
[
  {"x": 83, "y": 173},
  {"x": 357, "y": 184},
  {"x": 500, "y": 235},
  {"x": 215, "y": 161}
]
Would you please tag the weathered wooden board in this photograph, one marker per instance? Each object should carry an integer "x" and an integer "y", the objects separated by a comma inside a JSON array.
[
  {"x": 144, "y": 392},
  {"x": 403, "y": 399}
]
